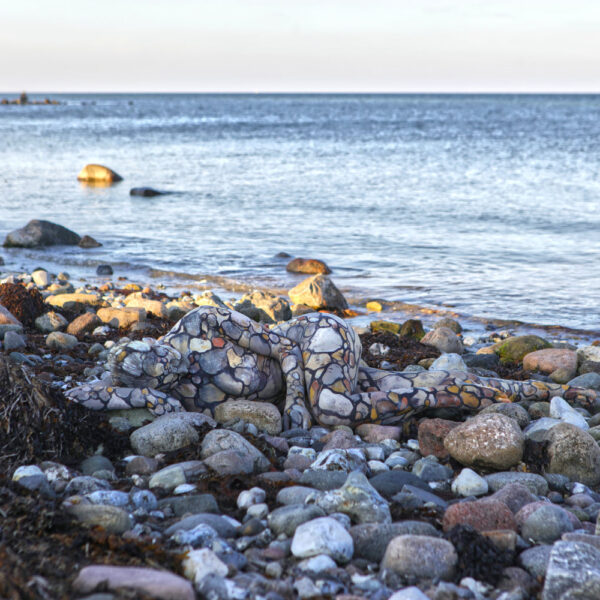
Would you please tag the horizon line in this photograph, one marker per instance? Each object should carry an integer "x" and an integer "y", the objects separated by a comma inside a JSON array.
[{"x": 316, "y": 93}]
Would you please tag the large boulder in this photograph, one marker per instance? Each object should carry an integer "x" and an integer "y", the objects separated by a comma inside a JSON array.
[
  {"x": 98, "y": 174},
  {"x": 41, "y": 233},
  {"x": 318, "y": 292}
]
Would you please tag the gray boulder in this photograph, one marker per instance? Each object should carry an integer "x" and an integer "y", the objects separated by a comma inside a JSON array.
[{"x": 41, "y": 233}]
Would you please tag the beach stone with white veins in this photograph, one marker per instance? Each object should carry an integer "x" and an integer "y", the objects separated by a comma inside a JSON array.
[
  {"x": 421, "y": 557},
  {"x": 358, "y": 499},
  {"x": 489, "y": 440},
  {"x": 323, "y": 536}
]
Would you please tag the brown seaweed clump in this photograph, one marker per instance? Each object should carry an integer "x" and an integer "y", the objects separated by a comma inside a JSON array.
[
  {"x": 38, "y": 423},
  {"x": 403, "y": 351},
  {"x": 24, "y": 304}
]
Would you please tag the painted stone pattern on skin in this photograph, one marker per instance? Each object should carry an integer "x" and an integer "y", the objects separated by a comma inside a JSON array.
[{"x": 310, "y": 364}]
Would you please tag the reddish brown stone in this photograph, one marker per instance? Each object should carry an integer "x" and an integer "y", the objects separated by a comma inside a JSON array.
[
  {"x": 83, "y": 324},
  {"x": 482, "y": 515},
  {"x": 372, "y": 433},
  {"x": 550, "y": 359},
  {"x": 431, "y": 437},
  {"x": 515, "y": 496},
  {"x": 312, "y": 266}
]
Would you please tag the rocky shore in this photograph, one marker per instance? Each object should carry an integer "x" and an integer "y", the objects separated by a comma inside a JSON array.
[{"x": 500, "y": 505}]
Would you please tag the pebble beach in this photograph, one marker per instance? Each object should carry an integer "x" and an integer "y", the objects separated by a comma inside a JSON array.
[{"x": 499, "y": 505}]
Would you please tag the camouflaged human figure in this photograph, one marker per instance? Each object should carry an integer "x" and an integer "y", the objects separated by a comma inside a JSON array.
[{"x": 310, "y": 364}]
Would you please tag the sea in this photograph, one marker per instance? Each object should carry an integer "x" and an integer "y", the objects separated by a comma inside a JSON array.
[{"x": 485, "y": 206}]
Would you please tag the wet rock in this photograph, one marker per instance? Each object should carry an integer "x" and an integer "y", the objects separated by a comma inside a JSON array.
[
  {"x": 515, "y": 496},
  {"x": 61, "y": 341},
  {"x": 318, "y": 292},
  {"x": 572, "y": 566},
  {"x": 87, "y": 241},
  {"x": 111, "y": 518},
  {"x": 264, "y": 415},
  {"x": 489, "y": 440},
  {"x": 421, "y": 557},
  {"x": 41, "y": 233},
  {"x": 482, "y": 515},
  {"x": 535, "y": 483},
  {"x": 323, "y": 536},
  {"x": 229, "y": 453},
  {"x": 145, "y": 192},
  {"x": 469, "y": 483},
  {"x": 311, "y": 266},
  {"x": 546, "y": 524},
  {"x": 98, "y": 174},
  {"x": 432, "y": 433},
  {"x": 372, "y": 539},
  {"x": 83, "y": 324},
  {"x": 444, "y": 339},
  {"x": 51, "y": 321},
  {"x": 560, "y": 409},
  {"x": 358, "y": 499},
  {"x": 574, "y": 453},
  {"x": 514, "y": 349},
  {"x": 286, "y": 519},
  {"x": 160, "y": 585}
]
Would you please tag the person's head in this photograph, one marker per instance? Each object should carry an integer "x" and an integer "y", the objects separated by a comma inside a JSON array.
[{"x": 146, "y": 363}]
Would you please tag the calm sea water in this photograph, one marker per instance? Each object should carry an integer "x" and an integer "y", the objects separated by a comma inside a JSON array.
[{"x": 487, "y": 204}]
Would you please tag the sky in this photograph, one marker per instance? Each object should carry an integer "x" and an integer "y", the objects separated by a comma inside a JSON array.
[{"x": 300, "y": 45}]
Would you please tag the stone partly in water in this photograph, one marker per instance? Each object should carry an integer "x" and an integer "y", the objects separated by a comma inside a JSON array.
[
  {"x": 318, "y": 292},
  {"x": 489, "y": 440},
  {"x": 98, "y": 174},
  {"x": 87, "y": 241},
  {"x": 311, "y": 266},
  {"x": 146, "y": 192},
  {"x": 41, "y": 233}
]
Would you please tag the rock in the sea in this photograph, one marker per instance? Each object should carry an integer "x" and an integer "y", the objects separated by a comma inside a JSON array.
[
  {"x": 482, "y": 515},
  {"x": 572, "y": 566},
  {"x": 153, "y": 583},
  {"x": 574, "y": 453},
  {"x": 420, "y": 557},
  {"x": 358, "y": 499},
  {"x": 104, "y": 270},
  {"x": 98, "y": 174},
  {"x": 311, "y": 266},
  {"x": 145, "y": 192},
  {"x": 41, "y": 233},
  {"x": 444, "y": 339},
  {"x": 318, "y": 292},
  {"x": 488, "y": 440},
  {"x": 323, "y": 536},
  {"x": 87, "y": 241},
  {"x": 264, "y": 415}
]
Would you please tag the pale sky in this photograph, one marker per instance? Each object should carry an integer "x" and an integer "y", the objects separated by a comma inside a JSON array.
[{"x": 300, "y": 45}]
